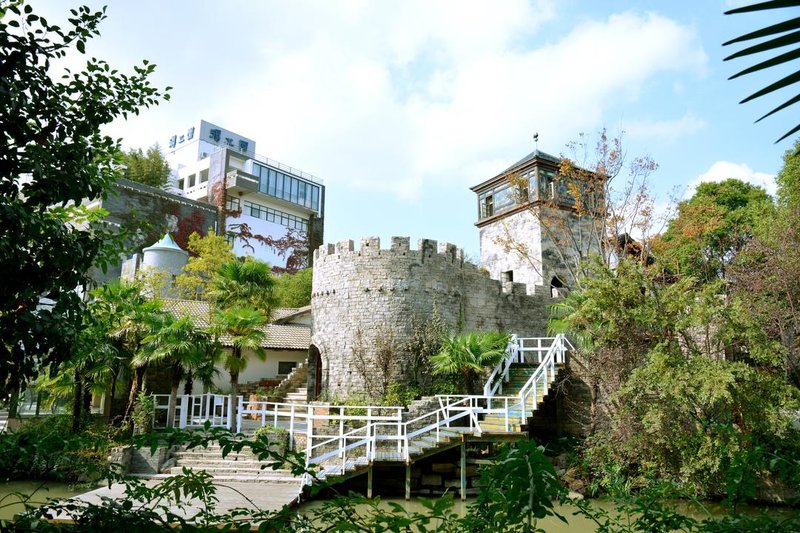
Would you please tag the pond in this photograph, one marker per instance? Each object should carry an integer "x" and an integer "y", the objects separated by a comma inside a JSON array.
[
  {"x": 41, "y": 491},
  {"x": 576, "y": 523}
]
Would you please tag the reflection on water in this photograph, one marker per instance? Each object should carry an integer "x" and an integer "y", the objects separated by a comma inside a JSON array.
[
  {"x": 40, "y": 492},
  {"x": 577, "y": 524}
]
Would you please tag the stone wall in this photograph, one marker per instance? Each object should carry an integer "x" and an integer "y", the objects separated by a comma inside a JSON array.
[
  {"x": 364, "y": 298},
  {"x": 538, "y": 244}
]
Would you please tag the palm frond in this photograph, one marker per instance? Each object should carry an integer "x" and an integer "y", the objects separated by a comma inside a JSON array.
[{"x": 783, "y": 39}]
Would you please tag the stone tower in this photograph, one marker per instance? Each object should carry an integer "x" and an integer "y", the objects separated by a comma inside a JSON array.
[
  {"x": 365, "y": 297},
  {"x": 533, "y": 229},
  {"x": 164, "y": 257}
]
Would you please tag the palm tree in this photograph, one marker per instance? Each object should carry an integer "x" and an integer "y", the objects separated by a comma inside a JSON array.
[
  {"x": 241, "y": 328},
  {"x": 129, "y": 317},
  {"x": 177, "y": 344},
  {"x": 469, "y": 354},
  {"x": 243, "y": 284},
  {"x": 776, "y": 36}
]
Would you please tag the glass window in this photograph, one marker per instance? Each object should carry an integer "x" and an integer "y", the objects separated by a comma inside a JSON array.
[{"x": 315, "y": 198}]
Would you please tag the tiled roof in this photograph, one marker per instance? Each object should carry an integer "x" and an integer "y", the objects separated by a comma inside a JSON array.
[
  {"x": 278, "y": 336},
  {"x": 536, "y": 154}
]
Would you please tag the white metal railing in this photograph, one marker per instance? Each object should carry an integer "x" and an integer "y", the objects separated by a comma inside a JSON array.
[
  {"x": 194, "y": 410},
  {"x": 340, "y": 435},
  {"x": 519, "y": 350}
]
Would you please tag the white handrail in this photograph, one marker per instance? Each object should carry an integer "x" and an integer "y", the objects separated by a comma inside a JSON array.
[{"x": 381, "y": 423}]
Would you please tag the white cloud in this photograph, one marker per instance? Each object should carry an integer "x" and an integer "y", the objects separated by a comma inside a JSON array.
[
  {"x": 391, "y": 96},
  {"x": 723, "y": 170}
]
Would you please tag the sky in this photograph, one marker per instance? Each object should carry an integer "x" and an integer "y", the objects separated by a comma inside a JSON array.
[{"x": 401, "y": 106}]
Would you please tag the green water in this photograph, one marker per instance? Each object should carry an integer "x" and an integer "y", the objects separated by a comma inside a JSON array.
[
  {"x": 551, "y": 524},
  {"x": 577, "y": 524},
  {"x": 13, "y": 493}
]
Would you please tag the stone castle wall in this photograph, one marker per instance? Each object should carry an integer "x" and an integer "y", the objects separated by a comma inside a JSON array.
[{"x": 363, "y": 297}]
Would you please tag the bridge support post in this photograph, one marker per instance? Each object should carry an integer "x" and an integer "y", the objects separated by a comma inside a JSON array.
[
  {"x": 369, "y": 482},
  {"x": 408, "y": 481},
  {"x": 463, "y": 465}
]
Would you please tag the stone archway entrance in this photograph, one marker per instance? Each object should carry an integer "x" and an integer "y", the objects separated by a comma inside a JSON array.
[{"x": 315, "y": 372}]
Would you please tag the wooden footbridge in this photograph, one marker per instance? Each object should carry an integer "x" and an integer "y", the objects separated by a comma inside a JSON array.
[{"x": 345, "y": 441}]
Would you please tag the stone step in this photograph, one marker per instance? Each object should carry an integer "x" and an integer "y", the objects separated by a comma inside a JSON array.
[
  {"x": 253, "y": 472},
  {"x": 215, "y": 463}
]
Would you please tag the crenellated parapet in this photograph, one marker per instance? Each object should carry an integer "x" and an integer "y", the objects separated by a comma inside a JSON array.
[{"x": 363, "y": 294}]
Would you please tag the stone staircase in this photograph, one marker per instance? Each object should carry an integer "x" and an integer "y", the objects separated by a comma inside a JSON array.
[
  {"x": 238, "y": 466},
  {"x": 518, "y": 376},
  {"x": 419, "y": 448},
  {"x": 298, "y": 396}
]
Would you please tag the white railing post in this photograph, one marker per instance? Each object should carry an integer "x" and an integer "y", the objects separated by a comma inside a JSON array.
[
  {"x": 239, "y": 409},
  {"x": 400, "y": 433},
  {"x": 184, "y": 411},
  {"x": 309, "y": 432},
  {"x": 291, "y": 430}
]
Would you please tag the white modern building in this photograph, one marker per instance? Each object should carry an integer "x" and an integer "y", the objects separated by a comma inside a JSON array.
[{"x": 268, "y": 198}]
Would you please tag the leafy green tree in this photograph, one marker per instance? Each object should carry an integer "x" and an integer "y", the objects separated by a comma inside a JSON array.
[
  {"x": 130, "y": 317},
  {"x": 180, "y": 346},
  {"x": 207, "y": 254},
  {"x": 293, "y": 290},
  {"x": 149, "y": 168},
  {"x": 241, "y": 328},
  {"x": 711, "y": 228},
  {"x": 53, "y": 156},
  {"x": 469, "y": 355},
  {"x": 788, "y": 179},
  {"x": 243, "y": 284}
]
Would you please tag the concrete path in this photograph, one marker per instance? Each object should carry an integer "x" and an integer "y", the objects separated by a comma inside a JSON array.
[{"x": 231, "y": 495}]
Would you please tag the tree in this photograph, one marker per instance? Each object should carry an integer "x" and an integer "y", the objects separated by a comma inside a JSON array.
[
  {"x": 597, "y": 195},
  {"x": 469, "y": 355},
  {"x": 788, "y": 179},
  {"x": 293, "y": 290},
  {"x": 130, "y": 317},
  {"x": 52, "y": 156},
  {"x": 241, "y": 328},
  {"x": 243, "y": 284},
  {"x": 148, "y": 168},
  {"x": 177, "y": 344},
  {"x": 711, "y": 228},
  {"x": 775, "y": 41},
  {"x": 207, "y": 254}
]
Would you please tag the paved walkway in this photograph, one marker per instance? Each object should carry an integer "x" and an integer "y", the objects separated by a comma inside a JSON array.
[{"x": 262, "y": 496}]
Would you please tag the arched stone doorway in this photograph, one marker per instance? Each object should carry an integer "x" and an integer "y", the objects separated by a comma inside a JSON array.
[{"x": 315, "y": 372}]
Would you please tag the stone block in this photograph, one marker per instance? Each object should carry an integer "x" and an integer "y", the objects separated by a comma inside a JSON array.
[
  {"x": 344, "y": 246},
  {"x": 401, "y": 245}
]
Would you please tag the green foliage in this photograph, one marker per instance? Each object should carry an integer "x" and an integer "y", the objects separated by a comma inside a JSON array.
[
  {"x": 469, "y": 355},
  {"x": 711, "y": 228},
  {"x": 517, "y": 489},
  {"x": 53, "y": 158},
  {"x": 424, "y": 342},
  {"x": 243, "y": 284},
  {"x": 207, "y": 254},
  {"x": 293, "y": 290},
  {"x": 148, "y": 168},
  {"x": 143, "y": 412},
  {"x": 686, "y": 389},
  {"x": 788, "y": 179},
  {"x": 46, "y": 449}
]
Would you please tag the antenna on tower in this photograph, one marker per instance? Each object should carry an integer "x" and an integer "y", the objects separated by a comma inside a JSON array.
[{"x": 536, "y": 140}]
